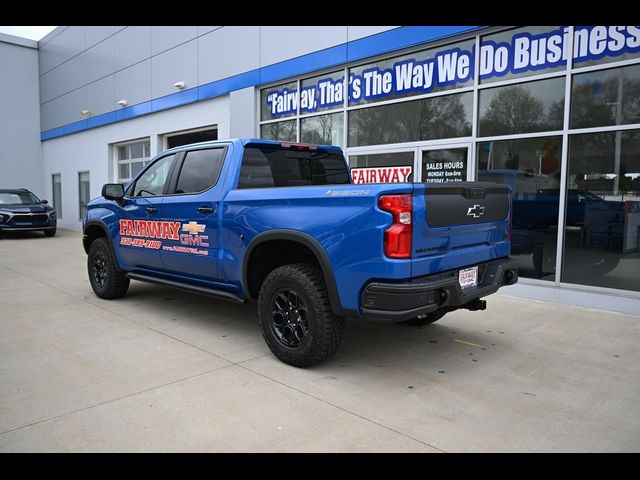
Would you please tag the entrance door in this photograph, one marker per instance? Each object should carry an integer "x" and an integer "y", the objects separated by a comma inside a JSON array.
[{"x": 444, "y": 163}]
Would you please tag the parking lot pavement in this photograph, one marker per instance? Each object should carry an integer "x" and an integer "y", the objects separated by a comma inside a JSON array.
[{"x": 165, "y": 370}]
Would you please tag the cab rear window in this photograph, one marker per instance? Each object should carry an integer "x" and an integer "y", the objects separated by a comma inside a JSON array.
[{"x": 276, "y": 166}]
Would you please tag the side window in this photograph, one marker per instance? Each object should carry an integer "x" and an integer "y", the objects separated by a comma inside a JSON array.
[
  {"x": 200, "y": 170},
  {"x": 256, "y": 170},
  {"x": 152, "y": 182}
]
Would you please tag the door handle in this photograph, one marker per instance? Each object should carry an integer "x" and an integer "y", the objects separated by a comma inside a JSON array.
[
  {"x": 151, "y": 209},
  {"x": 205, "y": 210}
]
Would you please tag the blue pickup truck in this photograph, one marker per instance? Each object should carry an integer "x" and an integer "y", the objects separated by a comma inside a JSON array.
[{"x": 283, "y": 224}]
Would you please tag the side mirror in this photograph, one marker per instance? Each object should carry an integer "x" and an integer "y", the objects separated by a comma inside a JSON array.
[
  {"x": 44, "y": 201},
  {"x": 113, "y": 191}
]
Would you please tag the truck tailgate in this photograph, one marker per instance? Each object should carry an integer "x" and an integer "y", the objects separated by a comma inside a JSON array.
[{"x": 458, "y": 224}]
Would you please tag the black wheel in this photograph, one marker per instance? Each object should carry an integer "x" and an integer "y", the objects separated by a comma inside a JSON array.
[
  {"x": 49, "y": 233},
  {"x": 429, "y": 318},
  {"x": 106, "y": 280},
  {"x": 296, "y": 317}
]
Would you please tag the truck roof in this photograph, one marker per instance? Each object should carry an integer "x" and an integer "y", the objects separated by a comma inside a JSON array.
[{"x": 250, "y": 141}]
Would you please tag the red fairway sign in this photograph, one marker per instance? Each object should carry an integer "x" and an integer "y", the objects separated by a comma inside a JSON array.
[{"x": 381, "y": 174}]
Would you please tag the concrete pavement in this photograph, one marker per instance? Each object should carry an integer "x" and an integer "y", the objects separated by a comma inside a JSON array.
[{"x": 165, "y": 370}]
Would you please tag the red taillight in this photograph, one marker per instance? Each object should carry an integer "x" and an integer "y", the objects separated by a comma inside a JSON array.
[{"x": 397, "y": 238}]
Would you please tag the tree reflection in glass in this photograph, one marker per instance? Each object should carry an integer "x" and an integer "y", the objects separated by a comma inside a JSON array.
[
  {"x": 606, "y": 97},
  {"x": 285, "y": 131},
  {"x": 523, "y": 108},
  {"x": 322, "y": 129},
  {"x": 447, "y": 116}
]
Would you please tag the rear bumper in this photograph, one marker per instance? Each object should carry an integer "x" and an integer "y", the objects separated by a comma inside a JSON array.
[{"x": 395, "y": 302}]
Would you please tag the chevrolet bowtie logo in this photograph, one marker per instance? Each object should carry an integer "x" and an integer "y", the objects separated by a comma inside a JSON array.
[
  {"x": 476, "y": 211},
  {"x": 193, "y": 228}
]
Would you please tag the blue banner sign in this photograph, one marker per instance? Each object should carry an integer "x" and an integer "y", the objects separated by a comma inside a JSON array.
[{"x": 524, "y": 52}]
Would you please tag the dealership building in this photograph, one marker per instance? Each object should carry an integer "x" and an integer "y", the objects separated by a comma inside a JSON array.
[{"x": 553, "y": 111}]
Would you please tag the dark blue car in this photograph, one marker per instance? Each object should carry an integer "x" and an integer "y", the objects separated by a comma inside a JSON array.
[{"x": 21, "y": 210}]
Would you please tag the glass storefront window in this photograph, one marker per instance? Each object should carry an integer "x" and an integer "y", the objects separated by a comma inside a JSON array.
[
  {"x": 285, "y": 131},
  {"x": 606, "y": 97},
  {"x": 522, "y": 108},
  {"x": 602, "y": 240},
  {"x": 442, "y": 68},
  {"x": 602, "y": 229},
  {"x": 540, "y": 50},
  {"x": 531, "y": 166},
  {"x": 324, "y": 92},
  {"x": 279, "y": 101},
  {"x": 323, "y": 129},
  {"x": 446, "y": 116}
]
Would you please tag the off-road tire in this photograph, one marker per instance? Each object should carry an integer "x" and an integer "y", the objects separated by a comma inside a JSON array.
[
  {"x": 324, "y": 328},
  {"x": 114, "y": 283},
  {"x": 430, "y": 318}
]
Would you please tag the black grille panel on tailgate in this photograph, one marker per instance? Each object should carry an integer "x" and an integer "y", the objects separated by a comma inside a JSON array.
[{"x": 466, "y": 203}]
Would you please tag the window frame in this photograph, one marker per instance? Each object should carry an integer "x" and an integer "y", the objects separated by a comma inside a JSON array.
[{"x": 146, "y": 160}]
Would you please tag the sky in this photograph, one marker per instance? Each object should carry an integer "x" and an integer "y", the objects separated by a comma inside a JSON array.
[{"x": 34, "y": 33}]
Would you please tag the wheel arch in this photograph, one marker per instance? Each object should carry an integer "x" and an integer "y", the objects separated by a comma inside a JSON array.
[
  {"x": 271, "y": 238},
  {"x": 94, "y": 229}
]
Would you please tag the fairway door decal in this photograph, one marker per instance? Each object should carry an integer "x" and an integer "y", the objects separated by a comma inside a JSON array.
[{"x": 154, "y": 235}]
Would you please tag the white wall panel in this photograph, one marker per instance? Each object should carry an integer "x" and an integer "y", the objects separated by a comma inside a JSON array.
[
  {"x": 284, "y": 43},
  {"x": 179, "y": 63}
]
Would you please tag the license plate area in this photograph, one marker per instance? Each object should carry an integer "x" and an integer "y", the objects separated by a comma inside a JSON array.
[{"x": 468, "y": 277}]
